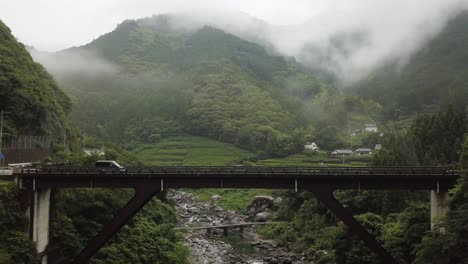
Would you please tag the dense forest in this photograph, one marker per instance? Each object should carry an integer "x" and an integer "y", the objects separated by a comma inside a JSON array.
[
  {"x": 29, "y": 94},
  {"x": 400, "y": 220},
  {"x": 168, "y": 81},
  {"x": 37, "y": 106}
]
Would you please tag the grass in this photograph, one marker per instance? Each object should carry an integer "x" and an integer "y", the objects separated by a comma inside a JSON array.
[
  {"x": 314, "y": 159},
  {"x": 190, "y": 151}
]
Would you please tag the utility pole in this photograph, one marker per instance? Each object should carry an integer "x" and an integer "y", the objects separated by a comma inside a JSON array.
[
  {"x": 64, "y": 137},
  {"x": 1, "y": 135},
  {"x": 84, "y": 135},
  {"x": 350, "y": 136}
]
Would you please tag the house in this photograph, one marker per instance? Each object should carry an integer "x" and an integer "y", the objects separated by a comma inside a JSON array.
[
  {"x": 310, "y": 146},
  {"x": 363, "y": 151},
  {"x": 341, "y": 152},
  {"x": 378, "y": 146},
  {"x": 356, "y": 132},
  {"x": 91, "y": 151},
  {"x": 370, "y": 128}
]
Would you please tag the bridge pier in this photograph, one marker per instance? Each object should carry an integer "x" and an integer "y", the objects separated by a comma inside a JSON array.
[
  {"x": 439, "y": 206},
  {"x": 325, "y": 195},
  {"x": 39, "y": 220},
  {"x": 143, "y": 194}
]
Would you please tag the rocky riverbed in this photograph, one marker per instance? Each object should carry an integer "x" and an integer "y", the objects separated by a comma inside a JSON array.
[{"x": 212, "y": 248}]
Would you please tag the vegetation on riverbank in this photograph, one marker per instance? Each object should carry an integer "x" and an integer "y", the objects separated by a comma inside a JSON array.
[{"x": 400, "y": 220}]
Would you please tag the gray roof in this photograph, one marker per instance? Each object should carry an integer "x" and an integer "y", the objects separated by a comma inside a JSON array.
[
  {"x": 363, "y": 150},
  {"x": 342, "y": 151}
]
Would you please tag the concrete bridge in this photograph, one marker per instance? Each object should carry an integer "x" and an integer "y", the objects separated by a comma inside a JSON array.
[{"x": 147, "y": 182}]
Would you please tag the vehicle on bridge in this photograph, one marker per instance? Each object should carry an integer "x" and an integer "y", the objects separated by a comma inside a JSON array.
[
  {"x": 6, "y": 171},
  {"x": 109, "y": 165}
]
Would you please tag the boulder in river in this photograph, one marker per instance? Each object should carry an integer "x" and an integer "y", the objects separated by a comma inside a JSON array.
[
  {"x": 216, "y": 197},
  {"x": 262, "y": 217},
  {"x": 259, "y": 204}
]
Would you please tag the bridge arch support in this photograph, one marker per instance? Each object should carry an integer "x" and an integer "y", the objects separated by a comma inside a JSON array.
[{"x": 147, "y": 182}]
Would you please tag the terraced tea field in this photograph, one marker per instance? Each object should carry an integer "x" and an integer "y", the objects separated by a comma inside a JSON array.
[{"x": 190, "y": 151}]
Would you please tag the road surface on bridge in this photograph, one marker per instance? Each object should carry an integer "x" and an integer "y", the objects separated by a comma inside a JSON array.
[{"x": 404, "y": 178}]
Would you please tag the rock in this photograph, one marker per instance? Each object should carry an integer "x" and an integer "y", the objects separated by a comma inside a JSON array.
[
  {"x": 215, "y": 197},
  {"x": 320, "y": 253},
  {"x": 217, "y": 209},
  {"x": 277, "y": 201},
  {"x": 211, "y": 249},
  {"x": 259, "y": 204},
  {"x": 262, "y": 217}
]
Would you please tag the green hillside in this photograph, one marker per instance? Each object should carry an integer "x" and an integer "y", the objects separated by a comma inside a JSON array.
[
  {"x": 190, "y": 151},
  {"x": 203, "y": 82},
  {"x": 36, "y": 105},
  {"x": 435, "y": 76}
]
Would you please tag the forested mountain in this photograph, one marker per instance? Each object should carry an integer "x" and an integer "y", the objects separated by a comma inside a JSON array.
[
  {"x": 33, "y": 100},
  {"x": 163, "y": 81},
  {"x": 35, "y": 105},
  {"x": 435, "y": 76}
]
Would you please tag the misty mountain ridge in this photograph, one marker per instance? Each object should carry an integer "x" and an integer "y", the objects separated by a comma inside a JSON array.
[
  {"x": 345, "y": 51},
  {"x": 161, "y": 81},
  {"x": 435, "y": 76},
  {"x": 209, "y": 75}
]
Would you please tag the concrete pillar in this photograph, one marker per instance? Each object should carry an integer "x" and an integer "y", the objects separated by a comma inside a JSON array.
[
  {"x": 439, "y": 206},
  {"x": 40, "y": 220}
]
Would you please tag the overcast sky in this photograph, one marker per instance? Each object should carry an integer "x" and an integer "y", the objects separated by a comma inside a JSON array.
[
  {"x": 393, "y": 28},
  {"x": 58, "y": 24}
]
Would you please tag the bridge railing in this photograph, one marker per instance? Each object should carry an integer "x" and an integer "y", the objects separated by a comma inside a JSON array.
[{"x": 239, "y": 170}]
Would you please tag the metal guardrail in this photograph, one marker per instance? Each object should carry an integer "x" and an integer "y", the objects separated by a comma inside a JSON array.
[{"x": 239, "y": 170}]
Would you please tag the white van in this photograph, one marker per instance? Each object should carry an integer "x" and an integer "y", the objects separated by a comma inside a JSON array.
[
  {"x": 6, "y": 171},
  {"x": 108, "y": 165}
]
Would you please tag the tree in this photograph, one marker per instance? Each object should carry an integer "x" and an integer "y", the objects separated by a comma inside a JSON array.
[{"x": 450, "y": 246}]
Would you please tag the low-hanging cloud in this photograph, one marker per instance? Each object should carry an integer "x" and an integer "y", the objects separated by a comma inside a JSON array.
[
  {"x": 75, "y": 62},
  {"x": 348, "y": 38},
  {"x": 349, "y": 42},
  {"x": 352, "y": 43}
]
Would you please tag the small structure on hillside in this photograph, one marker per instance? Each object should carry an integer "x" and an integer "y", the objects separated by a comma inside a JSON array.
[
  {"x": 370, "y": 128},
  {"x": 311, "y": 146},
  {"x": 356, "y": 132},
  {"x": 377, "y": 146},
  {"x": 363, "y": 151},
  {"x": 92, "y": 151},
  {"x": 341, "y": 152}
]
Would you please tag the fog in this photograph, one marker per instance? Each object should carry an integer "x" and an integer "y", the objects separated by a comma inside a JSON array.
[
  {"x": 84, "y": 63},
  {"x": 348, "y": 38},
  {"x": 349, "y": 42}
]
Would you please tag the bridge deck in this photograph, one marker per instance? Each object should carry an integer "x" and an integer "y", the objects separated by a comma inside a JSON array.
[
  {"x": 147, "y": 182},
  {"x": 407, "y": 178}
]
